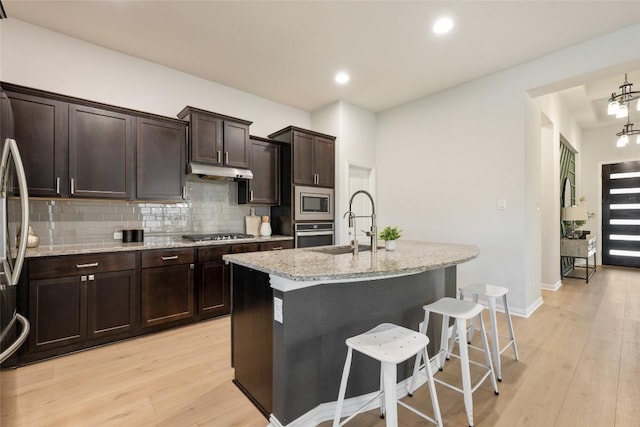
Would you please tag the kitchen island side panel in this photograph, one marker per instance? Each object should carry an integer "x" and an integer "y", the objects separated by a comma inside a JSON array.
[
  {"x": 252, "y": 339},
  {"x": 309, "y": 346}
]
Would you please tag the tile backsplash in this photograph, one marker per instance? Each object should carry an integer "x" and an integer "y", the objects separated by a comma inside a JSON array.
[{"x": 210, "y": 207}]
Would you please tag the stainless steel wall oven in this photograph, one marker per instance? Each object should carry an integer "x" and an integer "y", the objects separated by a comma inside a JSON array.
[{"x": 314, "y": 234}]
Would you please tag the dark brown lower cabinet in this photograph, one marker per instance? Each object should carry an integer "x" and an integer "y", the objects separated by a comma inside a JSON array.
[
  {"x": 214, "y": 298},
  {"x": 167, "y": 286},
  {"x": 79, "y": 301},
  {"x": 58, "y": 312},
  {"x": 112, "y": 301},
  {"x": 214, "y": 278},
  {"x": 73, "y": 299}
]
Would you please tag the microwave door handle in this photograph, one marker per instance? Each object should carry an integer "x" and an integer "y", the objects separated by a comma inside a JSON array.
[
  {"x": 19, "y": 341},
  {"x": 14, "y": 275}
]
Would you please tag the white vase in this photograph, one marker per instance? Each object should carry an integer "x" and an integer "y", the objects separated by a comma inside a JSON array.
[
  {"x": 390, "y": 245},
  {"x": 265, "y": 227}
]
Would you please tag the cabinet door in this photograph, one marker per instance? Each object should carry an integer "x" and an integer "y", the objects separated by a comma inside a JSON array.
[
  {"x": 324, "y": 161},
  {"x": 303, "y": 171},
  {"x": 214, "y": 292},
  {"x": 205, "y": 139},
  {"x": 167, "y": 294},
  {"x": 160, "y": 163},
  {"x": 111, "y": 303},
  {"x": 264, "y": 188},
  {"x": 58, "y": 312},
  {"x": 236, "y": 143},
  {"x": 100, "y": 153},
  {"x": 40, "y": 129}
]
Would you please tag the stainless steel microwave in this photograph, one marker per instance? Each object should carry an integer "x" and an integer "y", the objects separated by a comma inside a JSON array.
[{"x": 313, "y": 203}]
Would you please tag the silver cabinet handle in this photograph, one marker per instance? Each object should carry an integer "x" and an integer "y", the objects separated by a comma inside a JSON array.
[
  {"x": 58, "y": 185},
  {"x": 184, "y": 192},
  {"x": 92, "y": 277},
  {"x": 168, "y": 258},
  {"x": 279, "y": 248},
  {"x": 83, "y": 278},
  {"x": 251, "y": 195},
  {"x": 93, "y": 264},
  {"x": 73, "y": 186},
  {"x": 218, "y": 156},
  {"x": 226, "y": 157},
  {"x": 191, "y": 266}
]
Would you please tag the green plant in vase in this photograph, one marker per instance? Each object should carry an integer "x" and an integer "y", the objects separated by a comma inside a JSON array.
[{"x": 390, "y": 235}]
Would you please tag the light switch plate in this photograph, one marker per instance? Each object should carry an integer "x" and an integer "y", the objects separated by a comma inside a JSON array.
[
  {"x": 502, "y": 204},
  {"x": 277, "y": 309}
]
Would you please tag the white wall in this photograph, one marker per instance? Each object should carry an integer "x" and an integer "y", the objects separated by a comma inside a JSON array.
[
  {"x": 444, "y": 162},
  {"x": 354, "y": 128},
  {"x": 598, "y": 148},
  {"x": 35, "y": 57}
]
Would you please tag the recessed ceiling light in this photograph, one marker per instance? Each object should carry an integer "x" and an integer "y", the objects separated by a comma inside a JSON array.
[
  {"x": 342, "y": 78},
  {"x": 443, "y": 25}
]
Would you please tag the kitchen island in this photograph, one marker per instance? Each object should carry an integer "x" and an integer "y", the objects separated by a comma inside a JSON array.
[{"x": 292, "y": 311}]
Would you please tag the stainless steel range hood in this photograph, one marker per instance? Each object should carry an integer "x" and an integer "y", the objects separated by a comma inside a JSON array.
[{"x": 219, "y": 173}]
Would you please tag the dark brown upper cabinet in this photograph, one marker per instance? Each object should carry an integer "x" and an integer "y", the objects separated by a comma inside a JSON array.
[
  {"x": 264, "y": 162},
  {"x": 160, "y": 159},
  {"x": 72, "y": 147},
  {"x": 312, "y": 156},
  {"x": 216, "y": 139},
  {"x": 100, "y": 153},
  {"x": 40, "y": 129}
]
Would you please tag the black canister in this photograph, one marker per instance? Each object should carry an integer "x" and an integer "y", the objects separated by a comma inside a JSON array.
[{"x": 136, "y": 235}]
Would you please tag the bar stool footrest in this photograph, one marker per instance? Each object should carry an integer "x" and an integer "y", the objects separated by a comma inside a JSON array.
[
  {"x": 418, "y": 413},
  {"x": 360, "y": 410}
]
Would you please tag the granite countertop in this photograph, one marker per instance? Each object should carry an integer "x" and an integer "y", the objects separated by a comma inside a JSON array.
[
  {"x": 309, "y": 265},
  {"x": 150, "y": 242}
]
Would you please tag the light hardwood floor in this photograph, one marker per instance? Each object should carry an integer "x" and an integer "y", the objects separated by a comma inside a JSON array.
[{"x": 579, "y": 367}]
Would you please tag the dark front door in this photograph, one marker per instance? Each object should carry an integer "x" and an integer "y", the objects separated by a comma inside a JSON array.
[{"x": 621, "y": 214}]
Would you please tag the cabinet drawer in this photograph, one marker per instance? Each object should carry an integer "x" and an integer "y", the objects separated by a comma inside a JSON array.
[
  {"x": 246, "y": 247},
  {"x": 61, "y": 266},
  {"x": 278, "y": 245},
  {"x": 213, "y": 253},
  {"x": 164, "y": 257}
]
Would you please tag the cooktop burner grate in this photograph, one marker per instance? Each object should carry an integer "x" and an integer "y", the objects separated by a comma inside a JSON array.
[{"x": 216, "y": 236}]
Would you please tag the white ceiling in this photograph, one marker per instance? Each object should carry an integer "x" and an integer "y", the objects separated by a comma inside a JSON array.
[{"x": 289, "y": 51}]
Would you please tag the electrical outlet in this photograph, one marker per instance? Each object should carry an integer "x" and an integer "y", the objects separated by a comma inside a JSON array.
[
  {"x": 117, "y": 235},
  {"x": 277, "y": 309}
]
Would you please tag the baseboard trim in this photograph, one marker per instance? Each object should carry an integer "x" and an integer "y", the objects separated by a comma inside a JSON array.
[
  {"x": 555, "y": 287},
  {"x": 515, "y": 311},
  {"x": 326, "y": 411}
]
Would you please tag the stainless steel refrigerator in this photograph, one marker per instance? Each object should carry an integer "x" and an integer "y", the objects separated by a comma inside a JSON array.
[{"x": 14, "y": 224}]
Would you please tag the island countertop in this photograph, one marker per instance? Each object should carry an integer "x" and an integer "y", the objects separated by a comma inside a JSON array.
[{"x": 308, "y": 264}]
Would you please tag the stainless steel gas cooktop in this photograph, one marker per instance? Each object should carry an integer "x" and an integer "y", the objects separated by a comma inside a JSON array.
[{"x": 216, "y": 236}]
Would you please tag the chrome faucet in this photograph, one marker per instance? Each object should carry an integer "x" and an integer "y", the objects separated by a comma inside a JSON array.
[{"x": 373, "y": 231}]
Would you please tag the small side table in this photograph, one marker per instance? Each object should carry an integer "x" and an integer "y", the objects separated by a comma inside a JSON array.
[{"x": 580, "y": 248}]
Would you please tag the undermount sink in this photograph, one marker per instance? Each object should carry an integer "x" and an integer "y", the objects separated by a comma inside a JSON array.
[{"x": 339, "y": 250}]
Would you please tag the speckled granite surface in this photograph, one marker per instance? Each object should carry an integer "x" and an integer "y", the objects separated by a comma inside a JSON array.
[
  {"x": 309, "y": 265},
  {"x": 153, "y": 242}
]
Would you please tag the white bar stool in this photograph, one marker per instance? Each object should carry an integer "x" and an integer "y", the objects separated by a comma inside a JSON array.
[
  {"x": 492, "y": 293},
  {"x": 461, "y": 311},
  {"x": 390, "y": 344}
]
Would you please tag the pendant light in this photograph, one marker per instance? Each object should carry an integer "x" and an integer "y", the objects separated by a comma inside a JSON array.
[{"x": 619, "y": 106}]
